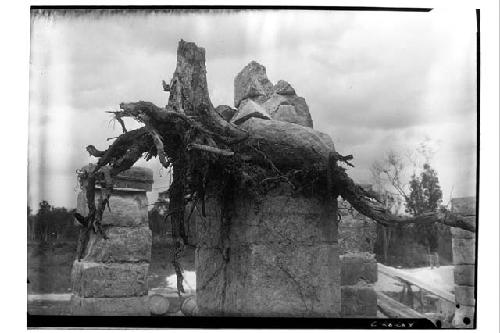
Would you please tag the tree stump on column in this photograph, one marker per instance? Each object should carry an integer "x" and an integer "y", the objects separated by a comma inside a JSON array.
[{"x": 111, "y": 278}]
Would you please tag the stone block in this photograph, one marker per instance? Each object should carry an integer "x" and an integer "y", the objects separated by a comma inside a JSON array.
[
  {"x": 124, "y": 244},
  {"x": 271, "y": 280},
  {"x": 251, "y": 82},
  {"x": 357, "y": 267},
  {"x": 359, "y": 301},
  {"x": 126, "y": 209},
  {"x": 464, "y": 317},
  {"x": 464, "y": 251},
  {"x": 461, "y": 233},
  {"x": 119, "y": 306},
  {"x": 464, "y": 275},
  {"x": 249, "y": 109},
  {"x": 109, "y": 280},
  {"x": 464, "y": 295}
]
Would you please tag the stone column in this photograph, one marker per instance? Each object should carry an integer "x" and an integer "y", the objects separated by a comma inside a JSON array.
[
  {"x": 276, "y": 255},
  {"x": 111, "y": 278},
  {"x": 464, "y": 260}
]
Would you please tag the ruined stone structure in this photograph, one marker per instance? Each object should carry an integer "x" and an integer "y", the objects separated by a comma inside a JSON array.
[
  {"x": 277, "y": 254},
  {"x": 464, "y": 259},
  {"x": 278, "y": 257},
  {"x": 266, "y": 184},
  {"x": 111, "y": 278},
  {"x": 357, "y": 234}
]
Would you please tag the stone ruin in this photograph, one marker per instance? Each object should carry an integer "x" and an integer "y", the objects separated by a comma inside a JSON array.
[{"x": 267, "y": 253}]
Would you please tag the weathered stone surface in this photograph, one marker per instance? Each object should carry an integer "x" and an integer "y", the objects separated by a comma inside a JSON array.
[
  {"x": 278, "y": 218},
  {"x": 226, "y": 112},
  {"x": 128, "y": 209},
  {"x": 252, "y": 82},
  {"x": 464, "y": 317},
  {"x": 189, "y": 306},
  {"x": 464, "y": 295},
  {"x": 356, "y": 267},
  {"x": 264, "y": 271},
  {"x": 276, "y": 280},
  {"x": 278, "y": 106},
  {"x": 283, "y": 88},
  {"x": 359, "y": 301},
  {"x": 158, "y": 305},
  {"x": 120, "y": 306},
  {"x": 109, "y": 280},
  {"x": 357, "y": 233},
  {"x": 124, "y": 244},
  {"x": 464, "y": 251},
  {"x": 461, "y": 233},
  {"x": 293, "y": 144},
  {"x": 249, "y": 109},
  {"x": 464, "y": 275}
]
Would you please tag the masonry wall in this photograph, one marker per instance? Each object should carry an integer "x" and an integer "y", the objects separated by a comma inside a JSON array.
[
  {"x": 111, "y": 278},
  {"x": 275, "y": 256},
  {"x": 464, "y": 260}
]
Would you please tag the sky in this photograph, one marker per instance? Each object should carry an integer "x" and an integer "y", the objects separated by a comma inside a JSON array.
[{"x": 374, "y": 81}]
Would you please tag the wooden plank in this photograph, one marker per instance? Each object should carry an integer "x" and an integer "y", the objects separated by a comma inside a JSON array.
[
  {"x": 396, "y": 273},
  {"x": 394, "y": 309}
]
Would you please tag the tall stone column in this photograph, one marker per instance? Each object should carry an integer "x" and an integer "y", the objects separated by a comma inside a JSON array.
[
  {"x": 464, "y": 260},
  {"x": 111, "y": 278},
  {"x": 275, "y": 255}
]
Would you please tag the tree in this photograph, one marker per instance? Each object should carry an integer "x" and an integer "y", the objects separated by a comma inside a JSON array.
[{"x": 425, "y": 197}]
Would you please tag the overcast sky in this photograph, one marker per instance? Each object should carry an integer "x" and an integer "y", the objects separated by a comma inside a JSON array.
[{"x": 373, "y": 81}]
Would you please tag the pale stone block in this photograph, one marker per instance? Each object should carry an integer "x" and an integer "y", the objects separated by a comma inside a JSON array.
[
  {"x": 464, "y": 295},
  {"x": 124, "y": 244},
  {"x": 109, "y": 280},
  {"x": 464, "y": 275},
  {"x": 464, "y": 251}
]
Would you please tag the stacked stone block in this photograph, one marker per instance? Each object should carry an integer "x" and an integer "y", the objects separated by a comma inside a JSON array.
[
  {"x": 464, "y": 260},
  {"x": 358, "y": 274},
  {"x": 111, "y": 278},
  {"x": 277, "y": 256}
]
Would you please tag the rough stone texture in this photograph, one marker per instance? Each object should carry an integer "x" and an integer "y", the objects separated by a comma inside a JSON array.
[
  {"x": 464, "y": 295},
  {"x": 464, "y": 258},
  {"x": 357, "y": 233},
  {"x": 251, "y": 82},
  {"x": 277, "y": 257},
  {"x": 247, "y": 110},
  {"x": 128, "y": 208},
  {"x": 109, "y": 280},
  {"x": 283, "y": 88},
  {"x": 464, "y": 275},
  {"x": 359, "y": 301},
  {"x": 358, "y": 267},
  {"x": 124, "y": 244},
  {"x": 313, "y": 144},
  {"x": 118, "y": 306},
  {"x": 226, "y": 112},
  {"x": 278, "y": 106},
  {"x": 464, "y": 251},
  {"x": 464, "y": 317},
  {"x": 461, "y": 233}
]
